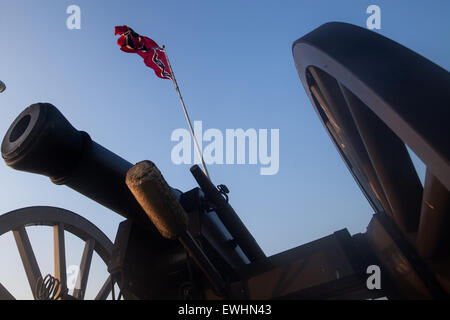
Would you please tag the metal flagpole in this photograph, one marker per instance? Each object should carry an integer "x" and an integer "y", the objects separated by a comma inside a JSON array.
[{"x": 186, "y": 114}]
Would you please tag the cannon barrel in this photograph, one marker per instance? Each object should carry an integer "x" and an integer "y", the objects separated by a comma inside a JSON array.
[{"x": 41, "y": 140}]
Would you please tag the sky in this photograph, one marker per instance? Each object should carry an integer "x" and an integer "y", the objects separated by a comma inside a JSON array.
[{"x": 234, "y": 64}]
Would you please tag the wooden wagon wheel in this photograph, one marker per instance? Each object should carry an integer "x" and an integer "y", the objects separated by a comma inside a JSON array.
[
  {"x": 375, "y": 96},
  {"x": 61, "y": 221}
]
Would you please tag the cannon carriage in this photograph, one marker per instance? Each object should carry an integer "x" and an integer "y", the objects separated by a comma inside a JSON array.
[{"x": 372, "y": 95}]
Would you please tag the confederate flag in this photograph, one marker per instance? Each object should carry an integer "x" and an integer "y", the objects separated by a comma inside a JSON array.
[{"x": 154, "y": 56}]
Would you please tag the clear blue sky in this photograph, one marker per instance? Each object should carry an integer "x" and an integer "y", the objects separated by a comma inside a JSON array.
[{"x": 235, "y": 68}]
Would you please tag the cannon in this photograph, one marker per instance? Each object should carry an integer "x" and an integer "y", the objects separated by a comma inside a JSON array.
[
  {"x": 42, "y": 141},
  {"x": 368, "y": 92}
]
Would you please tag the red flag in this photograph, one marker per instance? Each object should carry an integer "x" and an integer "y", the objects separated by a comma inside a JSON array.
[{"x": 154, "y": 56}]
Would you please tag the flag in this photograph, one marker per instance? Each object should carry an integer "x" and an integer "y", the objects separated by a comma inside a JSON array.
[{"x": 154, "y": 56}]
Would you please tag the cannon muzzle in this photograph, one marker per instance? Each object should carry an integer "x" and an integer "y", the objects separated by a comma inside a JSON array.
[{"x": 42, "y": 141}]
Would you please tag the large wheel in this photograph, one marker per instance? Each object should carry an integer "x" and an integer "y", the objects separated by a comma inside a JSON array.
[
  {"x": 374, "y": 98},
  {"x": 61, "y": 221}
]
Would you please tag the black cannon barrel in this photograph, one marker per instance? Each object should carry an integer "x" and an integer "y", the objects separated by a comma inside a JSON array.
[{"x": 41, "y": 140}]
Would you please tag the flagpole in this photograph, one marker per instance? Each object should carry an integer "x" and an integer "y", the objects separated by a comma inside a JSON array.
[{"x": 175, "y": 83}]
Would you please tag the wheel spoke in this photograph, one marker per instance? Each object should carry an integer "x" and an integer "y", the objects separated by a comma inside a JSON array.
[
  {"x": 85, "y": 265},
  {"x": 4, "y": 294},
  {"x": 434, "y": 214},
  {"x": 28, "y": 258},
  {"x": 105, "y": 290},
  {"x": 59, "y": 255}
]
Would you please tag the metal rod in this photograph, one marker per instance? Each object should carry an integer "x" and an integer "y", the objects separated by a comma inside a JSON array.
[
  {"x": 177, "y": 88},
  {"x": 229, "y": 217},
  {"x": 202, "y": 261}
]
